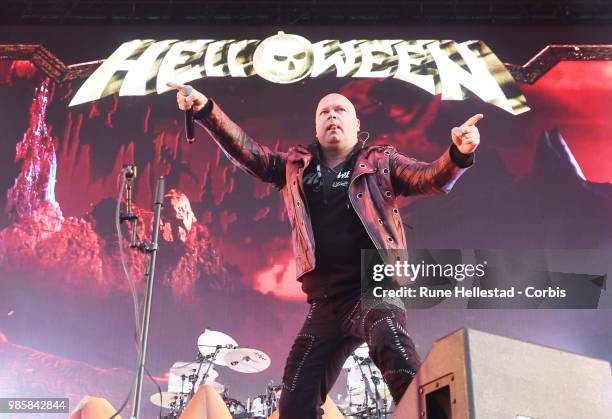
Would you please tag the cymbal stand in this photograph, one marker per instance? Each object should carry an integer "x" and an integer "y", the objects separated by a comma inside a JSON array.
[
  {"x": 193, "y": 378},
  {"x": 381, "y": 412},
  {"x": 374, "y": 395}
]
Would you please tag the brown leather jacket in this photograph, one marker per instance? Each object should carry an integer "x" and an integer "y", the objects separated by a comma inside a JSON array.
[{"x": 380, "y": 175}]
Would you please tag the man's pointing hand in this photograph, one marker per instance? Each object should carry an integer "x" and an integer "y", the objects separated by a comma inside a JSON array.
[{"x": 466, "y": 137}]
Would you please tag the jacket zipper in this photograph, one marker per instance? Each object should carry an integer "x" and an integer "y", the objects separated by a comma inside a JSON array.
[
  {"x": 355, "y": 209},
  {"x": 307, "y": 210}
]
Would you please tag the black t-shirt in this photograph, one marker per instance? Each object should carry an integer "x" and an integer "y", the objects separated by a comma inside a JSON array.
[{"x": 338, "y": 231}]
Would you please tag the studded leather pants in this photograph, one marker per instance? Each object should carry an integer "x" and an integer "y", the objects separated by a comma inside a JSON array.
[{"x": 333, "y": 328}]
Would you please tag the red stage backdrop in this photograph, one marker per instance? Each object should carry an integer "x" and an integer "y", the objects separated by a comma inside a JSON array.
[{"x": 542, "y": 179}]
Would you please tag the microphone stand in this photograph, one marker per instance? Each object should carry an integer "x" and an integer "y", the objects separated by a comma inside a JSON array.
[{"x": 152, "y": 250}]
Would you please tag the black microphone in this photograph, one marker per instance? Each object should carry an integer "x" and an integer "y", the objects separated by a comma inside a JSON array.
[{"x": 186, "y": 91}]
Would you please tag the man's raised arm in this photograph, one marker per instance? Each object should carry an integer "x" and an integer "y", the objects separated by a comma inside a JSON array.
[
  {"x": 412, "y": 177},
  {"x": 252, "y": 157}
]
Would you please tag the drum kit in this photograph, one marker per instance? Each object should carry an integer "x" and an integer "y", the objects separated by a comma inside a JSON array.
[
  {"x": 217, "y": 349},
  {"x": 367, "y": 394}
]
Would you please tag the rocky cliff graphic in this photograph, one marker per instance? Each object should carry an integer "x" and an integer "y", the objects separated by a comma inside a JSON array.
[{"x": 79, "y": 252}]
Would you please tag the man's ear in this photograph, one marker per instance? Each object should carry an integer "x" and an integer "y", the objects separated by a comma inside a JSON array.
[{"x": 358, "y": 124}]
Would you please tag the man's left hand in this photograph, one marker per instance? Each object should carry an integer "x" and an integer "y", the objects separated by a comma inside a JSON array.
[{"x": 466, "y": 137}]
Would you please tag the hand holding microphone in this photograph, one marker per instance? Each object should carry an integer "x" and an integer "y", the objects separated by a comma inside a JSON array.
[{"x": 190, "y": 101}]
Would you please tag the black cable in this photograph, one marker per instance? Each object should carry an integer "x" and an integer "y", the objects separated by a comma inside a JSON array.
[
  {"x": 135, "y": 303},
  {"x": 131, "y": 283},
  {"x": 159, "y": 390}
]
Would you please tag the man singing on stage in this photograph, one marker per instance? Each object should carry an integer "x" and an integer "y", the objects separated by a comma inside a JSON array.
[{"x": 340, "y": 197}]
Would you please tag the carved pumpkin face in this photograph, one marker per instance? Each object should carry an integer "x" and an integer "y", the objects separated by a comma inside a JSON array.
[{"x": 283, "y": 58}]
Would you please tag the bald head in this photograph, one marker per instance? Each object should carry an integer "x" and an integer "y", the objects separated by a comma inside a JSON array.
[
  {"x": 336, "y": 98},
  {"x": 336, "y": 122}
]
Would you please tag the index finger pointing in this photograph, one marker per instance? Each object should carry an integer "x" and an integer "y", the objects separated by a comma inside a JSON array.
[
  {"x": 474, "y": 119},
  {"x": 175, "y": 85}
]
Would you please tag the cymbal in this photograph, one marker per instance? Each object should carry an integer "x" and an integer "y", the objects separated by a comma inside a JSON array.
[
  {"x": 247, "y": 360},
  {"x": 189, "y": 368},
  {"x": 165, "y": 399},
  {"x": 210, "y": 340},
  {"x": 362, "y": 351}
]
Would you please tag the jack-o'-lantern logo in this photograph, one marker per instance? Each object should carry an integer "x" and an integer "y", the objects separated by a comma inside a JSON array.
[{"x": 283, "y": 58}]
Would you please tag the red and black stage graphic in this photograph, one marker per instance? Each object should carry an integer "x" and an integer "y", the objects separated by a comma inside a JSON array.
[{"x": 542, "y": 179}]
